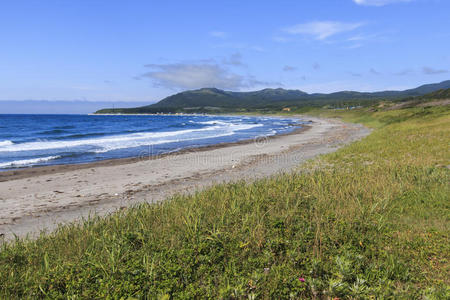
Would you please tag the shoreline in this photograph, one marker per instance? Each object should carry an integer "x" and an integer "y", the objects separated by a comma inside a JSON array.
[
  {"x": 41, "y": 198},
  {"x": 27, "y": 172}
]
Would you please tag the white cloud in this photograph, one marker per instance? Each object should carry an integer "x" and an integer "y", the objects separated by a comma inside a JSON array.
[
  {"x": 193, "y": 75},
  {"x": 425, "y": 70},
  {"x": 200, "y": 74},
  {"x": 366, "y": 37},
  {"x": 240, "y": 46},
  {"x": 322, "y": 30},
  {"x": 405, "y": 72},
  {"x": 354, "y": 46},
  {"x": 288, "y": 68},
  {"x": 374, "y": 72},
  {"x": 354, "y": 74},
  {"x": 378, "y": 2},
  {"x": 235, "y": 59},
  {"x": 356, "y": 38},
  {"x": 218, "y": 34},
  {"x": 280, "y": 39},
  {"x": 433, "y": 71}
]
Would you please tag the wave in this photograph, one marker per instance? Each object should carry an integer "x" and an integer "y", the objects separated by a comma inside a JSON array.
[
  {"x": 65, "y": 127},
  {"x": 5, "y": 143},
  {"x": 54, "y": 131},
  {"x": 27, "y": 162},
  {"x": 137, "y": 143},
  {"x": 95, "y": 134},
  {"x": 213, "y": 122},
  {"x": 80, "y": 135},
  {"x": 167, "y": 141},
  {"x": 104, "y": 144}
]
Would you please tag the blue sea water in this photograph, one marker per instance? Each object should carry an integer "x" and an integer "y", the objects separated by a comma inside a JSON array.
[{"x": 35, "y": 140}]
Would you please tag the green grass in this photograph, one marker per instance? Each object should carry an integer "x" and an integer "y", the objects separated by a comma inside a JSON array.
[{"x": 368, "y": 221}]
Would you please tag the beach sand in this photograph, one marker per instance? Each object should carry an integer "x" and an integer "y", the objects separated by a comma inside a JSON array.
[{"x": 36, "y": 199}]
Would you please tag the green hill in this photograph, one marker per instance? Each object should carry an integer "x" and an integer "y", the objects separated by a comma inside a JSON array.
[
  {"x": 212, "y": 99},
  {"x": 437, "y": 98},
  {"x": 440, "y": 94}
]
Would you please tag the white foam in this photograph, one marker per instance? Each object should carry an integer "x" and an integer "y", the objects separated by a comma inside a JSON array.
[
  {"x": 5, "y": 143},
  {"x": 146, "y": 143},
  {"x": 105, "y": 144},
  {"x": 137, "y": 143},
  {"x": 213, "y": 122},
  {"x": 27, "y": 162}
]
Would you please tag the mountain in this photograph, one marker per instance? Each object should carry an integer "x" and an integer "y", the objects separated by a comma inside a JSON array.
[
  {"x": 202, "y": 97},
  {"x": 439, "y": 94},
  {"x": 429, "y": 88},
  {"x": 216, "y": 100},
  {"x": 437, "y": 98}
]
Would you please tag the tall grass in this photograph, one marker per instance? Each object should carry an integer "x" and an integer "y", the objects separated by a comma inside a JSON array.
[{"x": 370, "y": 220}]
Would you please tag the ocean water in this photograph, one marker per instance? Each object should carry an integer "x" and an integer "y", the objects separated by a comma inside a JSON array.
[{"x": 36, "y": 140}]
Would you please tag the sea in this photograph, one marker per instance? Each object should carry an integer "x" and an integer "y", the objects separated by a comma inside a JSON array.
[{"x": 39, "y": 140}]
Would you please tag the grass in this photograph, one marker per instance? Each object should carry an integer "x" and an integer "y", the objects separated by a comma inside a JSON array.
[{"x": 368, "y": 221}]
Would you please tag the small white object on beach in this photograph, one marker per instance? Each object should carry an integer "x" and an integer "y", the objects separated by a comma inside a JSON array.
[{"x": 116, "y": 194}]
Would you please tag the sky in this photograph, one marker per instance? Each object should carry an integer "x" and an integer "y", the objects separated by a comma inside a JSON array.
[{"x": 143, "y": 51}]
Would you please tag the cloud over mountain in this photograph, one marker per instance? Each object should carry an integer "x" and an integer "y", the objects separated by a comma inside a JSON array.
[
  {"x": 203, "y": 73},
  {"x": 193, "y": 75}
]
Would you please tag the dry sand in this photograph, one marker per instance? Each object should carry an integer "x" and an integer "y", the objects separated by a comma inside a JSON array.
[{"x": 38, "y": 199}]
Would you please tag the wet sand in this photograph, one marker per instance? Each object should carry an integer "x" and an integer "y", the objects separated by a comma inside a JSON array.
[{"x": 36, "y": 199}]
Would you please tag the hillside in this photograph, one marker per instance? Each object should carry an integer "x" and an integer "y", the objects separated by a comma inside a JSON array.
[
  {"x": 212, "y": 99},
  {"x": 440, "y": 94},
  {"x": 437, "y": 98}
]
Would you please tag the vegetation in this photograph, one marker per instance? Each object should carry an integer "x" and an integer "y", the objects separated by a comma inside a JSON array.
[
  {"x": 436, "y": 96},
  {"x": 439, "y": 94},
  {"x": 211, "y": 100},
  {"x": 368, "y": 221}
]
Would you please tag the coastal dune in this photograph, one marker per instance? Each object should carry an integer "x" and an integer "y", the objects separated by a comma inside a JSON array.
[{"x": 36, "y": 199}]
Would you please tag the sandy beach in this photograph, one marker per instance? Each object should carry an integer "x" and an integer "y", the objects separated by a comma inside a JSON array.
[{"x": 40, "y": 198}]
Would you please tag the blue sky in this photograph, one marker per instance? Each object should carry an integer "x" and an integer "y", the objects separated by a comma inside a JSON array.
[{"x": 146, "y": 50}]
